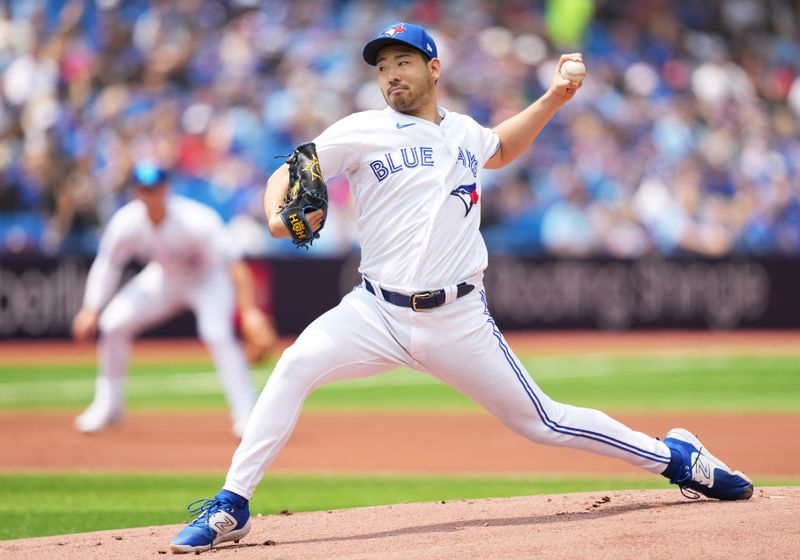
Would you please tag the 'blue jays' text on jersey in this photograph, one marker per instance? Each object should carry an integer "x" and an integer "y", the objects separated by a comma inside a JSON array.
[{"x": 416, "y": 186}]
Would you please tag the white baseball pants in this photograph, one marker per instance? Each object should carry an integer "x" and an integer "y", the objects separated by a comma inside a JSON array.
[
  {"x": 153, "y": 296},
  {"x": 457, "y": 343}
]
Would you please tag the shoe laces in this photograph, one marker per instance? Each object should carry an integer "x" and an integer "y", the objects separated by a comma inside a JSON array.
[
  {"x": 681, "y": 481},
  {"x": 203, "y": 509},
  {"x": 688, "y": 493}
]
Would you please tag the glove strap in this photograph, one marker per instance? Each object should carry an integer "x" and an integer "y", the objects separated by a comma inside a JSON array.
[{"x": 298, "y": 227}]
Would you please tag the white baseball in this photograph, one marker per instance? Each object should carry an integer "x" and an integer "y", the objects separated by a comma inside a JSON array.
[{"x": 573, "y": 71}]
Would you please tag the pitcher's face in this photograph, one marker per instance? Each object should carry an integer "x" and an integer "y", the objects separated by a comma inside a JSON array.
[{"x": 407, "y": 78}]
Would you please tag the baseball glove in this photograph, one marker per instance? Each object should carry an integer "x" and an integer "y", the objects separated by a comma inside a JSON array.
[
  {"x": 258, "y": 335},
  {"x": 307, "y": 192}
]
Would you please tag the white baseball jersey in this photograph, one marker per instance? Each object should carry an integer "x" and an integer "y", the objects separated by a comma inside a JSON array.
[
  {"x": 190, "y": 241},
  {"x": 415, "y": 185},
  {"x": 417, "y": 194}
]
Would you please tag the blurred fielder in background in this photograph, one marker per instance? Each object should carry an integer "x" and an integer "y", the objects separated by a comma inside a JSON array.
[{"x": 191, "y": 263}]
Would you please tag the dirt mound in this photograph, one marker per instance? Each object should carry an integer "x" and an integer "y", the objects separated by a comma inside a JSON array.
[{"x": 620, "y": 525}]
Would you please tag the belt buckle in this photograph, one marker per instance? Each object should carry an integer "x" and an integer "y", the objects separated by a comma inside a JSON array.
[{"x": 414, "y": 300}]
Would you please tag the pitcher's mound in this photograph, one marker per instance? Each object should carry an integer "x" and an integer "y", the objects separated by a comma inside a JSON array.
[{"x": 620, "y": 525}]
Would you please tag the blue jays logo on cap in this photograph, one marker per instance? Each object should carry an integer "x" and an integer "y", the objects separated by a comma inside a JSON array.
[
  {"x": 401, "y": 34},
  {"x": 393, "y": 30}
]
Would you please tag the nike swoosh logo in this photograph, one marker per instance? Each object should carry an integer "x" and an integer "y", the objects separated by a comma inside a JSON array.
[{"x": 399, "y": 126}]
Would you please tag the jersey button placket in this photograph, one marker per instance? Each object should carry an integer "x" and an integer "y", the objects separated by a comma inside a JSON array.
[{"x": 443, "y": 153}]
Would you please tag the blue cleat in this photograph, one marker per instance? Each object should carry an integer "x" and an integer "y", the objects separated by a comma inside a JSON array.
[
  {"x": 696, "y": 470},
  {"x": 225, "y": 518}
]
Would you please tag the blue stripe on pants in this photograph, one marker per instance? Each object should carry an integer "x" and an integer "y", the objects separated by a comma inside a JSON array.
[{"x": 553, "y": 425}]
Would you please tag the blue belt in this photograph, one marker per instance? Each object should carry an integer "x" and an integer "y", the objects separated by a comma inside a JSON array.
[{"x": 421, "y": 301}]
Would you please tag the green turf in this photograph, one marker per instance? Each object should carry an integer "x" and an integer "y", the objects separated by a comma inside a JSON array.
[
  {"x": 50, "y": 504},
  {"x": 40, "y": 504},
  {"x": 609, "y": 382}
]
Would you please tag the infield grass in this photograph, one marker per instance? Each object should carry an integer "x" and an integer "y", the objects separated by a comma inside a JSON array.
[{"x": 33, "y": 505}]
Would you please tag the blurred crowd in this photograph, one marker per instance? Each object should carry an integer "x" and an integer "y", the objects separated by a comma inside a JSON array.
[{"x": 684, "y": 140}]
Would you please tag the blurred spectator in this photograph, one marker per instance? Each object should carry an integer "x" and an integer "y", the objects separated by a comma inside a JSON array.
[{"x": 684, "y": 140}]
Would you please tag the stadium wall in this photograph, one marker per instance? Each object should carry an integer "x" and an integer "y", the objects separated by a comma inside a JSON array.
[{"x": 39, "y": 296}]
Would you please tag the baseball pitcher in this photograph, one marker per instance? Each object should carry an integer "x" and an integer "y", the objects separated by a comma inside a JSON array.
[{"x": 414, "y": 173}]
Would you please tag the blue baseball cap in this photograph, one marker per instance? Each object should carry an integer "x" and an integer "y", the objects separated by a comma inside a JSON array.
[
  {"x": 148, "y": 175},
  {"x": 401, "y": 34}
]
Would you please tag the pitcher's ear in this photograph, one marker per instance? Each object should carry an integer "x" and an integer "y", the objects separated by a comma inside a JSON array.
[{"x": 435, "y": 66}]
